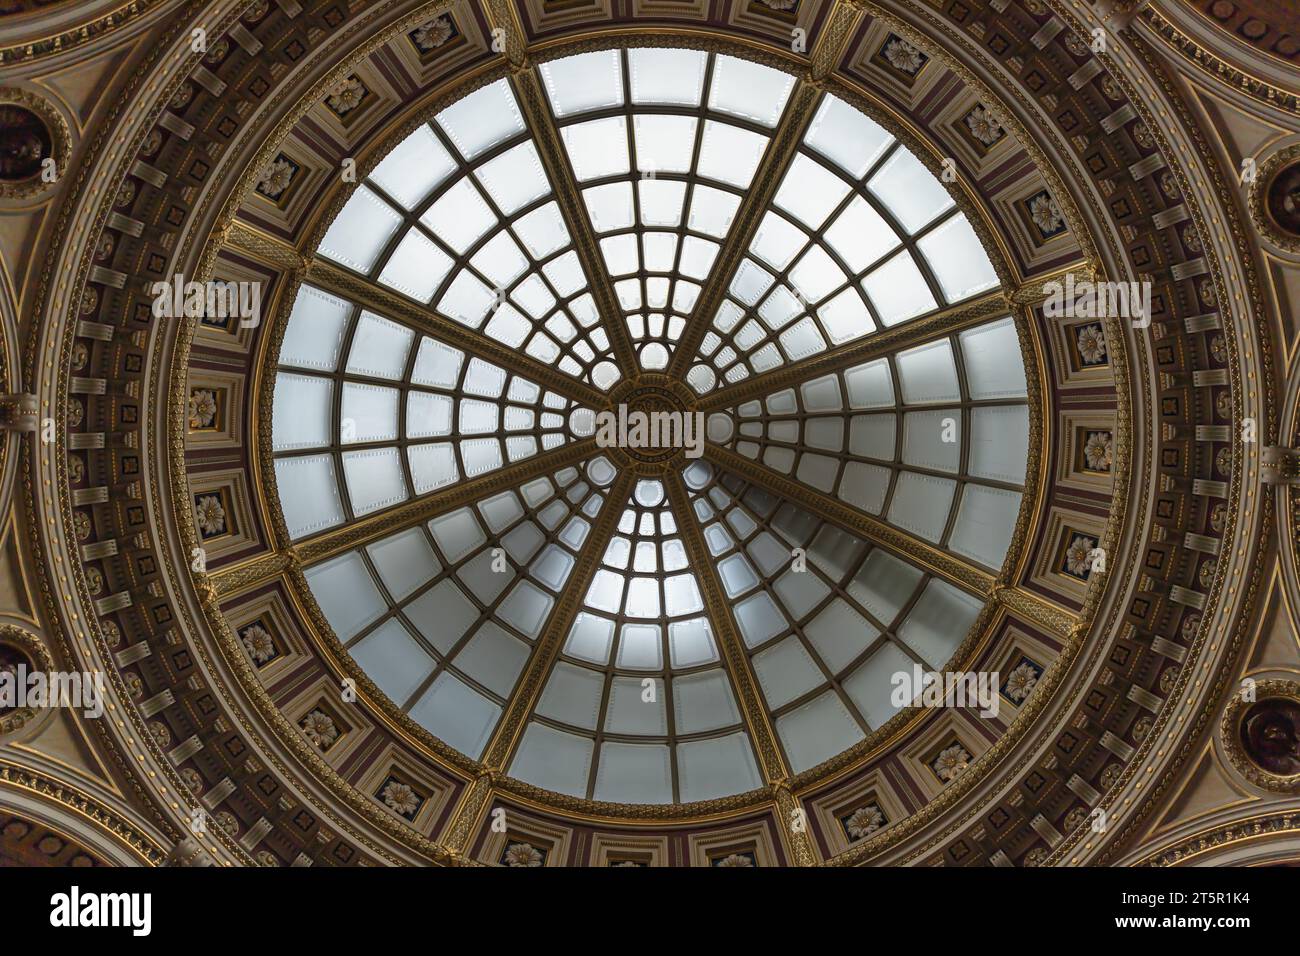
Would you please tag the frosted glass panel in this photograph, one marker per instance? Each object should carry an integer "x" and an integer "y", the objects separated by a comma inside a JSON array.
[
  {"x": 362, "y": 229},
  {"x": 911, "y": 192},
  {"x": 957, "y": 259},
  {"x": 588, "y": 81},
  {"x": 482, "y": 119}
]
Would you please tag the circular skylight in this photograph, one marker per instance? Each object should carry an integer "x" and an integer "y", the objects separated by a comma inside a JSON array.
[{"x": 474, "y": 220}]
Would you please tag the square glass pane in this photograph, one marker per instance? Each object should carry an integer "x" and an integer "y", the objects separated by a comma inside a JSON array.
[
  {"x": 597, "y": 148},
  {"x": 589, "y": 81}
]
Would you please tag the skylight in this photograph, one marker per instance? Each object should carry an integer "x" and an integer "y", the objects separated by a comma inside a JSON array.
[{"x": 565, "y": 558}]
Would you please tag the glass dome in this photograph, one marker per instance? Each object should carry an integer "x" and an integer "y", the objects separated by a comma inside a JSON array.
[{"x": 670, "y": 609}]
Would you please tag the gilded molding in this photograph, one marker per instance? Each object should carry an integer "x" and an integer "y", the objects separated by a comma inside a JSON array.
[
  {"x": 1230, "y": 735},
  {"x": 776, "y": 160},
  {"x": 103, "y": 25},
  {"x": 761, "y": 733},
  {"x": 884, "y": 342},
  {"x": 92, "y": 811},
  {"x": 335, "y": 279},
  {"x": 1241, "y": 832},
  {"x": 1257, "y": 199},
  {"x": 382, "y": 523},
  {"x": 947, "y": 566},
  {"x": 497, "y": 754},
  {"x": 1215, "y": 67},
  {"x": 532, "y": 100},
  {"x": 60, "y": 136}
]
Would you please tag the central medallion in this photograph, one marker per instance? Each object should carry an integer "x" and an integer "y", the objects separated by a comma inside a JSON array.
[{"x": 650, "y": 428}]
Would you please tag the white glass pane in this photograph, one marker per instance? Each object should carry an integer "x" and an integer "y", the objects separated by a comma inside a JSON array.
[
  {"x": 374, "y": 479},
  {"x": 730, "y": 154},
  {"x": 810, "y": 192},
  {"x": 846, "y": 136},
  {"x": 712, "y": 210},
  {"x": 591, "y": 638},
  {"x": 432, "y": 466},
  {"x": 634, "y": 773},
  {"x": 871, "y": 686},
  {"x": 493, "y": 658},
  {"x": 379, "y": 347},
  {"x": 716, "y": 767},
  {"x": 410, "y": 171},
  {"x": 910, "y": 191},
  {"x": 661, "y": 201},
  {"x": 416, "y": 267},
  {"x": 999, "y": 443},
  {"x": 620, "y": 254},
  {"x": 346, "y": 594},
  {"x": 884, "y": 585},
  {"x": 667, "y": 76},
  {"x": 957, "y": 259},
  {"x": 703, "y": 702},
  {"x": 786, "y": 671},
  {"x": 610, "y": 206},
  {"x": 815, "y": 275},
  {"x": 928, "y": 374},
  {"x": 994, "y": 368},
  {"x": 697, "y": 259},
  {"x": 869, "y": 385},
  {"x": 778, "y": 240},
  {"x": 369, "y": 413},
  {"x": 750, "y": 90},
  {"x": 664, "y": 144},
  {"x": 845, "y": 317},
  {"x": 860, "y": 236},
  {"x": 404, "y": 562},
  {"x": 314, "y": 336},
  {"x": 467, "y": 300},
  {"x": 459, "y": 216},
  {"x": 457, "y": 714},
  {"x": 921, "y": 504},
  {"x": 437, "y": 365},
  {"x": 309, "y": 493},
  {"x": 985, "y": 520},
  {"x": 553, "y": 760},
  {"x": 640, "y": 646},
  {"x": 482, "y": 119},
  {"x": 898, "y": 290},
  {"x": 817, "y": 731},
  {"x": 394, "y": 660},
  {"x": 565, "y": 273},
  {"x": 839, "y": 634},
  {"x": 515, "y": 178},
  {"x": 630, "y": 713},
  {"x": 526, "y": 609},
  {"x": 597, "y": 148},
  {"x": 362, "y": 229},
  {"x": 542, "y": 231},
  {"x": 500, "y": 260},
  {"x": 939, "y": 622},
  {"x": 300, "y": 417},
  {"x": 933, "y": 439},
  {"x": 588, "y": 81}
]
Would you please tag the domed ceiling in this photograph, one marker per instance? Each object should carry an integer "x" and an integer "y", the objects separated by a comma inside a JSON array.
[
  {"x": 372, "y": 583},
  {"x": 462, "y": 218}
]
